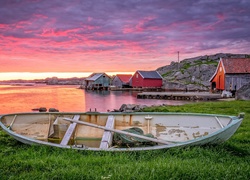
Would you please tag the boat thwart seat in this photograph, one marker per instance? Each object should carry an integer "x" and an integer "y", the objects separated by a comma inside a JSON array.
[
  {"x": 107, "y": 137},
  {"x": 70, "y": 131}
]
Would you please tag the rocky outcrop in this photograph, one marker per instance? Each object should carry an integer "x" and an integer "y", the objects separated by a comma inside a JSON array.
[
  {"x": 243, "y": 93},
  {"x": 53, "y": 110},
  {"x": 134, "y": 107},
  {"x": 52, "y": 81},
  {"x": 64, "y": 81},
  {"x": 194, "y": 73},
  {"x": 130, "y": 108},
  {"x": 44, "y": 109}
]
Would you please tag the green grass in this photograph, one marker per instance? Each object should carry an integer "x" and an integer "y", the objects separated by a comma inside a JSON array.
[
  {"x": 186, "y": 65},
  {"x": 229, "y": 160},
  {"x": 167, "y": 73},
  {"x": 208, "y": 61}
]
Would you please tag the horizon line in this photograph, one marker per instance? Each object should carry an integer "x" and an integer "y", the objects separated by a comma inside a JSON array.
[{"x": 6, "y": 76}]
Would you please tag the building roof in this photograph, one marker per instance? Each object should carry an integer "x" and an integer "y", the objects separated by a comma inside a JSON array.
[
  {"x": 150, "y": 74},
  {"x": 94, "y": 76},
  {"x": 236, "y": 65},
  {"x": 233, "y": 66},
  {"x": 124, "y": 77}
]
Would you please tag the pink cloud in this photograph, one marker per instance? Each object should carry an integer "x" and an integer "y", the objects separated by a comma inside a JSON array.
[
  {"x": 221, "y": 16},
  {"x": 53, "y": 32},
  {"x": 140, "y": 26},
  {"x": 116, "y": 35}
]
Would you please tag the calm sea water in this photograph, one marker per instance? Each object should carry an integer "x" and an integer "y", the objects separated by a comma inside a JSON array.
[{"x": 68, "y": 99}]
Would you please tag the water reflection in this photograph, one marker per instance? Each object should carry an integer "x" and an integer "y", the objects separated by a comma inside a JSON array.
[
  {"x": 68, "y": 99},
  {"x": 110, "y": 100}
]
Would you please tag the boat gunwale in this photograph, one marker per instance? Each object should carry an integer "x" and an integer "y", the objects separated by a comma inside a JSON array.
[
  {"x": 121, "y": 113},
  {"x": 233, "y": 122}
]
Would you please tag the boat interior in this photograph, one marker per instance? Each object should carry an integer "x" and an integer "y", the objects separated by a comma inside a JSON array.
[{"x": 66, "y": 128}]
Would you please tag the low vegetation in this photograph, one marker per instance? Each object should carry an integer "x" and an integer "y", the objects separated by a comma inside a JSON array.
[
  {"x": 167, "y": 73},
  {"x": 208, "y": 61},
  {"x": 229, "y": 160}
]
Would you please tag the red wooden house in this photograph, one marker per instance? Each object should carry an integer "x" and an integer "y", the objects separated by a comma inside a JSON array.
[
  {"x": 146, "y": 79},
  {"x": 231, "y": 74}
]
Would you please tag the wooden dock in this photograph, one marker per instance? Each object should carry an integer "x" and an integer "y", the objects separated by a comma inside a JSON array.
[{"x": 187, "y": 96}]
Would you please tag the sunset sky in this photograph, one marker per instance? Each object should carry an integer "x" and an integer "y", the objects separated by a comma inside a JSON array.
[{"x": 81, "y": 36}]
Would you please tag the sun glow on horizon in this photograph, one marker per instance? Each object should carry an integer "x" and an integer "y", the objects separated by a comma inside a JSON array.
[{"x": 43, "y": 75}]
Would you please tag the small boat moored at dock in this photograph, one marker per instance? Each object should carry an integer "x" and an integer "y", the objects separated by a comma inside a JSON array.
[{"x": 115, "y": 131}]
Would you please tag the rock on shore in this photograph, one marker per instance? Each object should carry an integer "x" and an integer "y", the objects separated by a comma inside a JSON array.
[
  {"x": 243, "y": 93},
  {"x": 44, "y": 109},
  {"x": 132, "y": 108}
]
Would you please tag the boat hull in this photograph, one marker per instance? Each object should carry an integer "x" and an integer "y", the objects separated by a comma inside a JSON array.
[{"x": 96, "y": 133}]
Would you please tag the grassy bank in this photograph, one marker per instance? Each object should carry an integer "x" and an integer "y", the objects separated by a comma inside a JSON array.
[{"x": 229, "y": 160}]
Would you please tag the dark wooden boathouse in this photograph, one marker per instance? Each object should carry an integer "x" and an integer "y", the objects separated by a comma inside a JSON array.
[
  {"x": 122, "y": 80},
  {"x": 231, "y": 74},
  {"x": 97, "y": 81}
]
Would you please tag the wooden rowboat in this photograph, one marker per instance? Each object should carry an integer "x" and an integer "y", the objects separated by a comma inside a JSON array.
[{"x": 119, "y": 131}]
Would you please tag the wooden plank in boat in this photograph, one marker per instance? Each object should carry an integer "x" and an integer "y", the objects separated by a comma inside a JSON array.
[
  {"x": 54, "y": 131},
  {"x": 51, "y": 127},
  {"x": 108, "y": 135},
  {"x": 219, "y": 122},
  {"x": 69, "y": 131}
]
